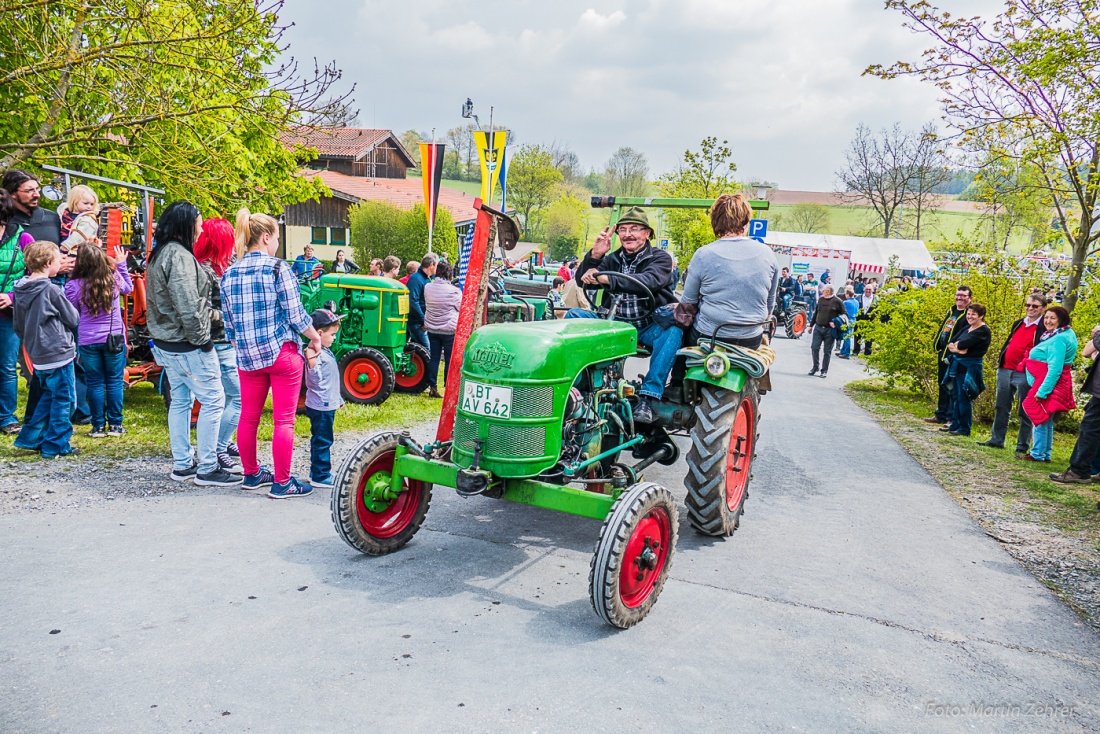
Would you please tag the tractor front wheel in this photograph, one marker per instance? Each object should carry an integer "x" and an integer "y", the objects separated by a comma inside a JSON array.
[
  {"x": 796, "y": 324},
  {"x": 633, "y": 555},
  {"x": 723, "y": 442},
  {"x": 414, "y": 378},
  {"x": 366, "y": 376},
  {"x": 366, "y": 512}
]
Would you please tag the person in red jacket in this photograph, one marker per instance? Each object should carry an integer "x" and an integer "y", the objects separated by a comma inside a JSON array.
[{"x": 1011, "y": 378}]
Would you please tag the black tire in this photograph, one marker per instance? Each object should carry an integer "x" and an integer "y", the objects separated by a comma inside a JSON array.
[
  {"x": 714, "y": 508},
  {"x": 642, "y": 509},
  {"x": 418, "y": 382},
  {"x": 795, "y": 323},
  {"x": 375, "y": 533},
  {"x": 379, "y": 371}
]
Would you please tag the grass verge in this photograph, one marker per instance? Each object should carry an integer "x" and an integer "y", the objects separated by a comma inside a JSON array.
[{"x": 146, "y": 422}]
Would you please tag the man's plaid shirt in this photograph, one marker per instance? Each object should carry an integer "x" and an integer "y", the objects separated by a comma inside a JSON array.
[
  {"x": 630, "y": 307},
  {"x": 262, "y": 309}
]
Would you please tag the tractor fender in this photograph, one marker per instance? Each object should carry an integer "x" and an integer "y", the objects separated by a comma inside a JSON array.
[{"x": 734, "y": 379}]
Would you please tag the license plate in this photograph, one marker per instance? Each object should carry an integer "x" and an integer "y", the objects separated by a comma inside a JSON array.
[
  {"x": 403, "y": 304},
  {"x": 491, "y": 400}
]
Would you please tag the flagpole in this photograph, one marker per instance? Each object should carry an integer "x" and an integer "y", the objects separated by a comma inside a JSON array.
[{"x": 492, "y": 147}]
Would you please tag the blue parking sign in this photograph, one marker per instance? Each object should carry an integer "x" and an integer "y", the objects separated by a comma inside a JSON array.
[{"x": 758, "y": 228}]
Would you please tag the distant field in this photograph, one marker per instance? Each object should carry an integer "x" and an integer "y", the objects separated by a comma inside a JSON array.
[{"x": 467, "y": 187}]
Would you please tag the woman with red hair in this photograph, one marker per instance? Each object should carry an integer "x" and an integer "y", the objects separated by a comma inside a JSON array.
[{"x": 214, "y": 251}]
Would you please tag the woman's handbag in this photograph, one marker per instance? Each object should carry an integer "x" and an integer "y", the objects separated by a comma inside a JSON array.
[
  {"x": 116, "y": 343},
  {"x": 684, "y": 315}
]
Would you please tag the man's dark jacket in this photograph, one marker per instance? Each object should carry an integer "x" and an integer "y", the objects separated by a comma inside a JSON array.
[
  {"x": 960, "y": 324},
  {"x": 416, "y": 284},
  {"x": 42, "y": 224},
  {"x": 652, "y": 267},
  {"x": 1004, "y": 347}
]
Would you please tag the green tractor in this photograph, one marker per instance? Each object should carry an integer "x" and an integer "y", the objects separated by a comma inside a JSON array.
[
  {"x": 544, "y": 417},
  {"x": 374, "y": 358}
]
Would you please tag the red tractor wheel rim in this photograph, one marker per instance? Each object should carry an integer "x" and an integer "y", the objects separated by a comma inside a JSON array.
[
  {"x": 419, "y": 368},
  {"x": 739, "y": 461},
  {"x": 355, "y": 369},
  {"x": 645, "y": 557},
  {"x": 402, "y": 510},
  {"x": 799, "y": 323}
]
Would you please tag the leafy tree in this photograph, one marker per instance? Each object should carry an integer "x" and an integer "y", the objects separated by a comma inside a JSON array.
[
  {"x": 411, "y": 141},
  {"x": 626, "y": 173},
  {"x": 532, "y": 181},
  {"x": 703, "y": 174},
  {"x": 379, "y": 229},
  {"x": 460, "y": 160},
  {"x": 563, "y": 225},
  {"x": 1025, "y": 83},
  {"x": 1015, "y": 201},
  {"x": 188, "y": 95},
  {"x": 566, "y": 161},
  {"x": 808, "y": 218}
]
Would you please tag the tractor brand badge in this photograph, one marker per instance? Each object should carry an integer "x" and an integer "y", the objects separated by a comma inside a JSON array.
[{"x": 493, "y": 357}]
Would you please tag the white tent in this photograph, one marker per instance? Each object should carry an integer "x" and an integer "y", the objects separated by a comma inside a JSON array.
[{"x": 869, "y": 254}]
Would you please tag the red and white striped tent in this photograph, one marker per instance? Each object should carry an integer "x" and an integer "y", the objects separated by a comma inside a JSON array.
[{"x": 869, "y": 255}]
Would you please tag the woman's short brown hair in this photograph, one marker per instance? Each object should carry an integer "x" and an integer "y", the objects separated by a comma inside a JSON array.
[
  {"x": 1061, "y": 313},
  {"x": 730, "y": 215},
  {"x": 978, "y": 309}
]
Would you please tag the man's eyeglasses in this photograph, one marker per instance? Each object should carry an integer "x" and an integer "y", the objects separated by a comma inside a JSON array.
[
  {"x": 1032, "y": 305},
  {"x": 31, "y": 190},
  {"x": 961, "y": 296},
  {"x": 630, "y": 229}
]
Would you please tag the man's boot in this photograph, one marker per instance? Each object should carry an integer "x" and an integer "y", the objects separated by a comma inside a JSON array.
[{"x": 433, "y": 392}]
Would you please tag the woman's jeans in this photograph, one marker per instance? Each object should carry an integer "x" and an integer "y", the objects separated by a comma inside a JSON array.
[
  {"x": 1043, "y": 440},
  {"x": 50, "y": 427},
  {"x": 284, "y": 380},
  {"x": 846, "y": 343},
  {"x": 231, "y": 386},
  {"x": 962, "y": 412},
  {"x": 194, "y": 375},
  {"x": 105, "y": 374},
  {"x": 9, "y": 374},
  {"x": 441, "y": 344}
]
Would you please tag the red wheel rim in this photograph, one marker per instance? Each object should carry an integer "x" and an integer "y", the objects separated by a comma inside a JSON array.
[
  {"x": 645, "y": 557},
  {"x": 358, "y": 367},
  {"x": 799, "y": 323},
  {"x": 419, "y": 368},
  {"x": 401, "y": 511},
  {"x": 739, "y": 460}
]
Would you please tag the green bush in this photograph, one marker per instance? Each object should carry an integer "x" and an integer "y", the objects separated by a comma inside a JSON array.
[
  {"x": 564, "y": 247},
  {"x": 379, "y": 229},
  {"x": 908, "y": 325}
]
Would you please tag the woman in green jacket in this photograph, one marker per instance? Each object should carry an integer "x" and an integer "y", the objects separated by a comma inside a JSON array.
[{"x": 1049, "y": 372}]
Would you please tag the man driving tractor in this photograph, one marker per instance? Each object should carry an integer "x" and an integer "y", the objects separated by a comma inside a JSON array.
[{"x": 653, "y": 267}]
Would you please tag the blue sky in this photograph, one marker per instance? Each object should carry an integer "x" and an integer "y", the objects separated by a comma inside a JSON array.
[{"x": 780, "y": 80}]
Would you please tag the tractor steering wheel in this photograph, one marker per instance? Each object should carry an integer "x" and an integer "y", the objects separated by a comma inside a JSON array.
[{"x": 612, "y": 274}]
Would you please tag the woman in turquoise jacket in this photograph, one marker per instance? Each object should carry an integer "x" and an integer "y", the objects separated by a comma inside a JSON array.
[{"x": 1050, "y": 359}]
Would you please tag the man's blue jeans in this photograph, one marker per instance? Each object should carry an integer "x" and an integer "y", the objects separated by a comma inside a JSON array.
[
  {"x": 663, "y": 343},
  {"x": 231, "y": 386},
  {"x": 194, "y": 375},
  {"x": 320, "y": 444},
  {"x": 846, "y": 343},
  {"x": 50, "y": 427},
  {"x": 417, "y": 334},
  {"x": 9, "y": 373},
  {"x": 104, "y": 374}
]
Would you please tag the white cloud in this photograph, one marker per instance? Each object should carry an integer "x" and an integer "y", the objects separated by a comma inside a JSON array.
[
  {"x": 591, "y": 20},
  {"x": 780, "y": 80}
]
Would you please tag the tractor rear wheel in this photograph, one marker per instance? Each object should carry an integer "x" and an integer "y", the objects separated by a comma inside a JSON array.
[
  {"x": 366, "y": 376},
  {"x": 633, "y": 555},
  {"x": 723, "y": 442},
  {"x": 796, "y": 324},
  {"x": 414, "y": 379},
  {"x": 366, "y": 514}
]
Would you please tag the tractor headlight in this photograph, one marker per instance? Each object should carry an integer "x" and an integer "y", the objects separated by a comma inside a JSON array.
[{"x": 717, "y": 365}]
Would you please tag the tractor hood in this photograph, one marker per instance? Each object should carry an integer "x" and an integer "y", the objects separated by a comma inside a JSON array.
[{"x": 545, "y": 351}]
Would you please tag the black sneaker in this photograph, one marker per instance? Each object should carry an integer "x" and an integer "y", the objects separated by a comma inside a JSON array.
[
  {"x": 182, "y": 475},
  {"x": 217, "y": 478},
  {"x": 643, "y": 413},
  {"x": 11, "y": 429},
  {"x": 991, "y": 445},
  {"x": 116, "y": 431},
  {"x": 233, "y": 451},
  {"x": 228, "y": 464},
  {"x": 98, "y": 432}
]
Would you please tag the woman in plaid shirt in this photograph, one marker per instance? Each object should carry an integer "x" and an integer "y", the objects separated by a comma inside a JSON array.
[{"x": 263, "y": 317}]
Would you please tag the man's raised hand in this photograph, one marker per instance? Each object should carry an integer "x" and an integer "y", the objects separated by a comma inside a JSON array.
[{"x": 603, "y": 243}]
